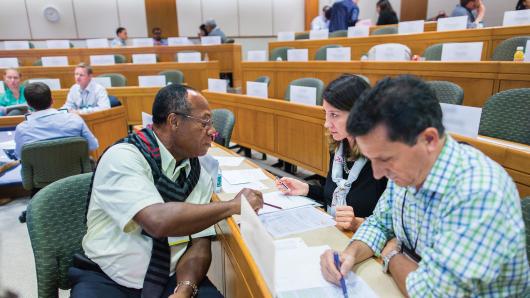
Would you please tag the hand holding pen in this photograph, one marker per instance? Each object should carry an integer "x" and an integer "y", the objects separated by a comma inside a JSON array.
[
  {"x": 342, "y": 280},
  {"x": 292, "y": 187}
]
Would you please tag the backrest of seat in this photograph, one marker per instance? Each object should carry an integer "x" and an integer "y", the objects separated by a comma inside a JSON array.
[
  {"x": 56, "y": 226},
  {"x": 447, "y": 92},
  {"x": 307, "y": 82},
  {"x": 263, "y": 79},
  {"x": 386, "y": 30},
  {"x": 322, "y": 53},
  {"x": 301, "y": 35},
  {"x": 114, "y": 101},
  {"x": 525, "y": 206},
  {"x": 37, "y": 62},
  {"x": 506, "y": 116},
  {"x": 116, "y": 79},
  {"x": 223, "y": 121},
  {"x": 338, "y": 33},
  {"x": 173, "y": 76},
  {"x": 44, "y": 162},
  {"x": 433, "y": 52},
  {"x": 119, "y": 58},
  {"x": 279, "y": 52},
  {"x": 506, "y": 49}
]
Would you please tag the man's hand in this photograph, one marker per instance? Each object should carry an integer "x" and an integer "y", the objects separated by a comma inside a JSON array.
[
  {"x": 328, "y": 269},
  {"x": 254, "y": 198},
  {"x": 345, "y": 218}
]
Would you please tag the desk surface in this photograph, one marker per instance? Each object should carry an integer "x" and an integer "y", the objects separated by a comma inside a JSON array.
[{"x": 229, "y": 233}]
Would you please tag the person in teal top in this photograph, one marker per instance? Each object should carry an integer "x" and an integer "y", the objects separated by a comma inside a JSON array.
[{"x": 13, "y": 93}]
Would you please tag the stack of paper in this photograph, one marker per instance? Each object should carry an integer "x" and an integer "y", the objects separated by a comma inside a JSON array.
[
  {"x": 276, "y": 201},
  {"x": 229, "y": 161},
  {"x": 297, "y": 220},
  {"x": 244, "y": 176}
]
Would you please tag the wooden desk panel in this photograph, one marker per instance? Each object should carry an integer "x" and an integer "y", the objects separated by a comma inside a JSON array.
[
  {"x": 195, "y": 74},
  {"x": 479, "y": 80},
  {"x": 228, "y": 55},
  {"x": 416, "y": 42}
]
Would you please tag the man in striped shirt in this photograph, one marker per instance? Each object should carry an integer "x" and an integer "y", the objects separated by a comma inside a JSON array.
[{"x": 449, "y": 223}]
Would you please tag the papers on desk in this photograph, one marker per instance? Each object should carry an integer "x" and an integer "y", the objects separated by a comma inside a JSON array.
[
  {"x": 8, "y": 62},
  {"x": 285, "y": 36},
  {"x": 300, "y": 55},
  {"x": 9, "y": 145},
  {"x": 217, "y": 85},
  {"x": 97, "y": 43},
  {"x": 175, "y": 41},
  {"x": 358, "y": 31},
  {"x": 389, "y": 52},
  {"x": 527, "y": 52},
  {"x": 462, "y": 51},
  {"x": 103, "y": 81},
  {"x": 236, "y": 188},
  {"x": 257, "y": 89},
  {"x": 184, "y": 57},
  {"x": 411, "y": 27},
  {"x": 210, "y": 40},
  {"x": 461, "y": 119},
  {"x": 142, "y": 42},
  {"x": 102, "y": 60},
  {"x": 16, "y": 45},
  {"x": 257, "y": 56},
  {"x": 277, "y": 201},
  {"x": 452, "y": 23},
  {"x": 294, "y": 221},
  {"x": 58, "y": 44},
  {"x": 54, "y": 84},
  {"x": 303, "y": 95},
  {"x": 516, "y": 18},
  {"x": 338, "y": 54},
  {"x": 229, "y": 161},
  {"x": 152, "y": 81},
  {"x": 143, "y": 58},
  {"x": 318, "y": 34},
  {"x": 244, "y": 176},
  {"x": 54, "y": 61}
]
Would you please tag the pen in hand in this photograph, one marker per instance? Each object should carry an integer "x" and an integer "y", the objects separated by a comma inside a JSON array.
[
  {"x": 281, "y": 183},
  {"x": 342, "y": 281}
]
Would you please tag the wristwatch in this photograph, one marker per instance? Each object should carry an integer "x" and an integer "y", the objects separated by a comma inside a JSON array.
[
  {"x": 387, "y": 258},
  {"x": 189, "y": 284}
]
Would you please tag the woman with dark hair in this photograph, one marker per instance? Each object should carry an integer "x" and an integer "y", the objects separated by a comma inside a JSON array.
[
  {"x": 522, "y": 4},
  {"x": 387, "y": 15},
  {"x": 202, "y": 30},
  {"x": 350, "y": 192}
]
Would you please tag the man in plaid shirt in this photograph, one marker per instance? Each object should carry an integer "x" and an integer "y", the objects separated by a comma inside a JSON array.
[{"x": 449, "y": 223}]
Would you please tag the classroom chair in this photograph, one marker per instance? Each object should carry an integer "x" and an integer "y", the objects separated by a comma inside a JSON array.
[
  {"x": 306, "y": 82},
  {"x": 116, "y": 79},
  {"x": 322, "y": 53},
  {"x": 173, "y": 76},
  {"x": 223, "y": 122},
  {"x": 506, "y": 49},
  {"x": 386, "y": 30},
  {"x": 433, "y": 52},
  {"x": 338, "y": 33},
  {"x": 301, "y": 35},
  {"x": 119, "y": 58},
  {"x": 279, "y": 52},
  {"x": 447, "y": 92}
]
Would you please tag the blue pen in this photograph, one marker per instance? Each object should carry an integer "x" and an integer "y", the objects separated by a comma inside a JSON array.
[{"x": 342, "y": 281}]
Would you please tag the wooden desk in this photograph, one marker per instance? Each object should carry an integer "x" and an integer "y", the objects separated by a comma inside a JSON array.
[
  {"x": 479, "y": 80},
  {"x": 108, "y": 126},
  {"x": 416, "y": 42},
  {"x": 195, "y": 74},
  {"x": 295, "y": 133},
  {"x": 235, "y": 272},
  {"x": 228, "y": 55}
]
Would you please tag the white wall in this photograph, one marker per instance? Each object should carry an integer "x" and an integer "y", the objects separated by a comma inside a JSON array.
[
  {"x": 494, "y": 9},
  {"x": 79, "y": 19}
]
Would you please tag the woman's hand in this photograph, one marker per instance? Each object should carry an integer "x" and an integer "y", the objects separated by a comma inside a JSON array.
[
  {"x": 345, "y": 218},
  {"x": 294, "y": 187}
]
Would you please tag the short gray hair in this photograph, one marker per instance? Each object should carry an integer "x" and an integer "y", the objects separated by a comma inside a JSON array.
[{"x": 210, "y": 22}]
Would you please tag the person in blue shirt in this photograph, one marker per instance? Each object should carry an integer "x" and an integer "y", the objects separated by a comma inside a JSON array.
[
  {"x": 344, "y": 13},
  {"x": 213, "y": 30},
  {"x": 157, "y": 37},
  {"x": 121, "y": 38},
  {"x": 473, "y": 9}
]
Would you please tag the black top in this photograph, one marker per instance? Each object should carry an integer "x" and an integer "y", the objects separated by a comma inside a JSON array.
[
  {"x": 387, "y": 18},
  {"x": 363, "y": 195}
]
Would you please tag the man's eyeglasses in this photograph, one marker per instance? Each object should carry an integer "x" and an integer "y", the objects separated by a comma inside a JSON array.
[{"x": 206, "y": 123}]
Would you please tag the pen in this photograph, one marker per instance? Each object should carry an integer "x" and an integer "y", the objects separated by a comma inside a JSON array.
[
  {"x": 283, "y": 184},
  {"x": 342, "y": 281},
  {"x": 273, "y": 206}
]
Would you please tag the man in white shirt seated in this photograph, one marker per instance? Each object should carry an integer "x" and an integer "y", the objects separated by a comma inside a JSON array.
[
  {"x": 321, "y": 21},
  {"x": 121, "y": 38},
  {"x": 86, "y": 94}
]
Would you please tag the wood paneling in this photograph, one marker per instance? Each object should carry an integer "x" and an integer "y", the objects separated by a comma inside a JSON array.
[
  {"x": 163, "y": 14},
  {"x": 311, "y": 11},
  {"x": 479, "y": 80},
  {"x": 412, "y": 10}
]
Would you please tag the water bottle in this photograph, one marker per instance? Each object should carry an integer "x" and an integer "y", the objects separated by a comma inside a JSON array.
[
  {"x": 219, "y": 184},
  {"x": 519, "y": 55},
  {"x": 206, "y": 58}
]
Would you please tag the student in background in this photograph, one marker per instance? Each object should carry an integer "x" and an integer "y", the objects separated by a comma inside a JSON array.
[
  {"x": 473, "y": 9},
  {"x": 522, "y": 4},
  {"x": 157, "y": 37},
  {"x": 387, "y": 15},
  {"x": 322, "y": 21},
  {"x": 121, "y": 38},
  {"x": 350, "y": 192},
  {"x": 213, "y": 30},
  {"x": 14, "y": 91},
  {"x": 344, "y": 13},
  {"x": 86, "y": 93},
  {"x": 202, "y": 31}
]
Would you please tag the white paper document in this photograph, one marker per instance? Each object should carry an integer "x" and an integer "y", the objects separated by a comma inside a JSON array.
[
  {"x": 210, "y": 40},
  {"x": 303, "y": 95},
  {"x": 142, "y": 42},
  {"x": 103, "y": 81},
  {"x": 102, "y": 60},
  {"x": 229, "y": 188},
  {"x": 54, "y": 61},
  {"x": 296, "y": 220},
  {"x": 244, "y": 176},
  {"x": 189, "y": 57},
  {"x": 257, "y": 89},
  {"x": 217, "y": 85},
  {"x": 527, "y": 52},
  {"x": 257, "y": 56},
  {"x": 389, "y": 52},
  {"x": 338, "y": 54},
  {"x": 452, "y": 23},
  {"x": 147, "y": 119},
  {"x": 358, "y": 31},
  {"x": 144, "y": 58},
  {"x": 54, "y": 84},
  {"x": 298, "y": 274},
  {"x": 516, "y": 18},
  {"x": 411, "y": 27},
  {"x": 8, "y": 62},
  {"x": 9, "y": 145},
  {"x": 279, "y": 201},
  {"x": 318, "y": 34},
  {"x": 229, "y": 161},
  {"x": 297, "y": 55},
  {"x": 177, "y": 41},
  {"x": 285, "y": 36},
  {"x": 16, "y": 45},
  {"x": 58, "y": 44},
  {"x": 462, "y": 120},
  {"x": 152, "y": 81},
  {"x": 463, "y": 51},
  {"x": 97, "y": 43}
]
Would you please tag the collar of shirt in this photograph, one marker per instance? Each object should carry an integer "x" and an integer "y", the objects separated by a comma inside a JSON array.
[
  {"x": 90, "y": 87},
  {"x": 42, "y": 113},
  {"x": 168, "y": 161}
]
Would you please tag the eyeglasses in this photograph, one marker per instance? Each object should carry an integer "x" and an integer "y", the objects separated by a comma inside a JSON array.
[{"x": 205, "y": 123}]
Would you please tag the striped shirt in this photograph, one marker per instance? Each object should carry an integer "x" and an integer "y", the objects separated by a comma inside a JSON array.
[{"x": 466, "y": 220}]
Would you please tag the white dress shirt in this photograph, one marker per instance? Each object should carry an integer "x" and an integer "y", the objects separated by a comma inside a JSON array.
[{"x": 94, "y": 96}]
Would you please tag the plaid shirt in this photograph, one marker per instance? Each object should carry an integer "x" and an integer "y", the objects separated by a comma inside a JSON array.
[{"x": 467, "y": 222}]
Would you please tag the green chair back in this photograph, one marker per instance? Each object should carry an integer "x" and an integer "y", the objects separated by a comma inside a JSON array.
[
  {"x": 173, "y": 76},
  {"x": 321, "y": 53},
  {"x": 525, "y": 206},
  {"x": 37, "y": 62},
  {"x": 229, "y": 40},
  {"x": 506, "y": 49},
  {"x": 433, "y": 52},
  {"x": 119, "y": 58},
  {"x": 279, "y": 52},
  {"x": 263, "y": 79},
  {"x": 31, "y": 45},
  {"x": 447, "y": 92},
  {"x": 71, "y": 45},
  {"x": 506, "y": 116},
  {"x": 47, "y": 161},
  {"x": 338, "y": 33},
  {"x": 56, "y": 226},
  {"x": 306, "y": 82},
  {"x": 301, "y": 35},
  {"x": 223, "y": 121},
  {"x": 386, "y": 30},
  {"x": 116, "y": 79}
]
